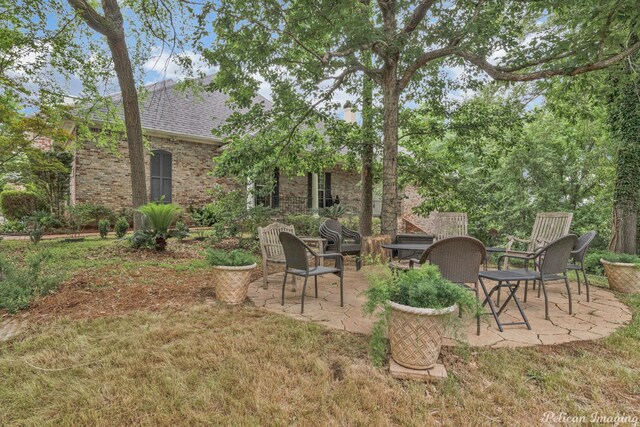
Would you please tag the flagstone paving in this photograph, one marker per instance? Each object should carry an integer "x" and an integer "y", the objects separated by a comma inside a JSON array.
[{"x": 590, "y": 320}]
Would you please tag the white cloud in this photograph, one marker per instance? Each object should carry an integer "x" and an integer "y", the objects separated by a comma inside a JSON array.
[{"x": 162, "y": 65}]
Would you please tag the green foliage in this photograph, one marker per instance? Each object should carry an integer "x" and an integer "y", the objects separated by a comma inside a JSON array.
[
  {"x": 143, "y": 239},
  {"x": 305, "y": 225},
  {"x": 121, "y": 227},
  {"x": 16, "y": 204},
  {"x": 36, "y": 233},
  {"x": 353, "y": 221},
  {"x": 421, "y": 288},
  {"x": 334, "y": 211},
  {"x": 19, "y": 285},
  {"x": 103, "y": 227},
  {"x": 234, "y": 258},
  {"x": 160, "y": 216},
  {"x": 13, "y": 226},
  {"x": 181, "y": 230}
]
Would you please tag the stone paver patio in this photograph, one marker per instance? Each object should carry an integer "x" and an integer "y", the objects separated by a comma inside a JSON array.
[{"x": 590, "y": 320}]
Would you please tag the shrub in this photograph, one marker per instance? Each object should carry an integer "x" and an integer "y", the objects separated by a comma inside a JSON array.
[
  {"x": 160, "y": 216},
  {"x": 334, "y": 211},
  {"x": 305, "y": 225},
  {"x": 121, "y": 227},
  {"x": 36, "y": 233},
  {"x": 235, "y": 258},
  {"x": 103, "y": 227},
  {"x": 422, "y": 287},
  {"x": 593, "y": 265},
  {"x": 17, "y": 204},
  {"x": 143, "y": 239},
  {"x": 18, "y": 286},
  {"x": 13, "y": 226},
  {"x": 181, "y": 231}
]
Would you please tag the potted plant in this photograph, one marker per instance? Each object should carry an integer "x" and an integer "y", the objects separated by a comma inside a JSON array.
[
  {"x": 622, "y": 271},
  {"x": 232, "y": 274},
  {"x": 416, "y": 305}
]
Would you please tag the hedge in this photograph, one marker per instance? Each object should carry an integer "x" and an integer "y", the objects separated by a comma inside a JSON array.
[{"x": 17, "y": 204}]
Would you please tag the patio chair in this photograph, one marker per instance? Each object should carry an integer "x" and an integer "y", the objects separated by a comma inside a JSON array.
[
  {"x": 552, "y": 261},
  {"x": 459, "y": 260},
  {"x": 450, "y": 224},
  {"x": 297, "y": 264},
  {"x": 271, "y": 247},
  {"x": 341, "y": 240},
  {"x": 577, "y": 259},
  {"x": 547, "y": 227}
]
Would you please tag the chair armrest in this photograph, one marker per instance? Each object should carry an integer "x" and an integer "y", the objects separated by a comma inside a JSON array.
[
  {"x": 413, "y": 261},
  {"x": 330, "y": 255}
]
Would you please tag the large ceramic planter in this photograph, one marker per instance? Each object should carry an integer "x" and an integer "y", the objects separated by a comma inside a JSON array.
[
  {"x": 232, "y": 283},
  {"x": 622, "y": 276},
  {"x": 415, "y": 334}
]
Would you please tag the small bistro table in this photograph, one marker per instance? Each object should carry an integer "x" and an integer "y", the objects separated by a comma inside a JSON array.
[{"x": 413, "y": 247}]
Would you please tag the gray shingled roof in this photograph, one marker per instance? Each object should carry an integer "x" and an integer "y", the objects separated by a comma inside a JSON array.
[{"x": 168, "y": 109}]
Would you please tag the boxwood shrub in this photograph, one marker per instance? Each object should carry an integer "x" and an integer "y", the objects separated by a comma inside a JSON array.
[{"x": 17, "y": 204}]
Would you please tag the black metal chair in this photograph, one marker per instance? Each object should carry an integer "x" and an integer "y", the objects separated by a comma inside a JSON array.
[
  {"x": 552, "y": 260},
  {"x": 341, "y": 240},
  {"x": 459, "y": 260},
  {"x": 297, "y": 263},
  {"x": 577, "y": 258}
]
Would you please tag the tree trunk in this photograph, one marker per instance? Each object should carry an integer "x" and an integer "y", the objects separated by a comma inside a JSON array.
[
  {"x": 133, "y": 125},
  {"x": 390, "y": 99},
  {"x": 366, "y": 211},
  {"x": 624, "y": 237}
]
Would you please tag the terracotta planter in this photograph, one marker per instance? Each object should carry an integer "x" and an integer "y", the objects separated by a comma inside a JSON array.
[
  {"x": 622, "y": 277},
  {"x": 415, "y": 334},
  {"x": 232, "y": 283}
]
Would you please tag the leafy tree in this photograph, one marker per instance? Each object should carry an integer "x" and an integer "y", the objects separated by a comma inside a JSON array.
[{"x": 307, "y": 51}]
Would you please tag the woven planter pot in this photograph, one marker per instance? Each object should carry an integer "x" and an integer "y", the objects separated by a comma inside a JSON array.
[
  {"x": 415, "y": 334},
  {"x": 622, "y": 277},
  {"x": 232, "y": 283}
]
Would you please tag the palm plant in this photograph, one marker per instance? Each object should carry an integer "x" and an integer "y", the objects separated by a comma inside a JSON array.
[
  {"x": 159, "y": 217},
  {"x": 334, "y": 211}
]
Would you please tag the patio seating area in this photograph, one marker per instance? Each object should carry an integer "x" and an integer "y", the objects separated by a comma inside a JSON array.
[{"x": 598, "y": 318}]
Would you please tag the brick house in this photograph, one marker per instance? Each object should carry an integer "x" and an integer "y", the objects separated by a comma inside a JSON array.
[{"x": 179, "y": 162}]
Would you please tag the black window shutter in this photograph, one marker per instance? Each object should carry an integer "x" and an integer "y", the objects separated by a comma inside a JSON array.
[
  {"x": 309, "y": 187},
  {"x": 161, "y": 182},
  {"x": 275, "y": 195},
  {"x": 327, "y": 189}
]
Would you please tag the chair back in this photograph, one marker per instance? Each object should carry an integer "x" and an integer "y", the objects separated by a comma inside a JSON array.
[
  {"x": 582, "y": 246},
  {"x": 332, "y": 231},
  {"x": 269, "y": 238},
  {"x": 295, "y": 251},
  {"x": 556, "y": 255},
  {"x": 450, "y": 224},
  {"x": 548, "y": 227},
  {"x": 459, "y": 258}
]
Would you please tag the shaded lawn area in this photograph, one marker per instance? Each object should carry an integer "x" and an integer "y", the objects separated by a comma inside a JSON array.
[{"x": 193, "y": 361}]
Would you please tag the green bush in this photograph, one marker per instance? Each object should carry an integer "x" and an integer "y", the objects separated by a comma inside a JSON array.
[
  {"x": 181, "y": 230},
  {"x": 18, "y": 286},
  {"x": 103, "y": 227},
  {"x": 143, "y": 239},
  {"x": 160, "y": 216},
  {"x": 334, "y": 211},
  {"x": 13, "y": 226},
  {"x": 36, "y": 233},
  {"x": 305, "y": 225},
  {"x": 121, "y": 227},
  {"x": 235, "y": 258},
  {"x": 593, "y": 265},
  {"x": 422, "y": 287},
  {"x": 17, "y": 204},
  {"x": 353, "y": 222}
]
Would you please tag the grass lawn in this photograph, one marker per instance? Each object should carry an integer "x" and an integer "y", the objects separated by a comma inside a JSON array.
[{"x": 135, "y": 338}]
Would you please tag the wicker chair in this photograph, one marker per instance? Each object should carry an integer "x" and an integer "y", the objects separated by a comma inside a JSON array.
[
  {"x": 340, "y": 239},
  {"x": 577, "y": 259},
  {"x": 459, "y": 260},
  {"x": 297, "y": 264},
  {"x": 548, "y": 226},
  {"x": 450, "y": 224}
]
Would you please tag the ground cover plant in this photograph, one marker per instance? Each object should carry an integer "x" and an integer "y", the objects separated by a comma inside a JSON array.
[{"x": 152, "y": 347}]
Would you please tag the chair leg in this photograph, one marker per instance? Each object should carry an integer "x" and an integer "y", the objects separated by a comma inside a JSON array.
[
  {"x": 265, "y": 274},
  {"x": 315, "y": 278},
  {"x": 477, "y": 314},
  {"x": 526, "y": 289},
  {"x": 498, "y": 295},
  {"x": 566, "y": 282},
  {"x": 578, "y": 278},
  {"x": 284, "y": 282},
  {"x": 586, "y": 283},
  {"x": 358, "y": 263},
  {"x": 546, "y": 300},
  {"x": 304, "y": 291},
  {"x": 342, "y": 288}
]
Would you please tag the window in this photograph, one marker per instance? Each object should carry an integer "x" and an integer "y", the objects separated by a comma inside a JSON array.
[
  {"x": 325, "y": 198},
  {"x": 263, "y": 197},
  {"x": 161, "y": 165}
]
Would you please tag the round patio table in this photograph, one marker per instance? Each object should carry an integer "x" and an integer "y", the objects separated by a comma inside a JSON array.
[{"x": 417, "y": 247}]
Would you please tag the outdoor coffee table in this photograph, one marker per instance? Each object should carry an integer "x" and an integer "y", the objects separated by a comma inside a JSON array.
[
  {"x": 414, "y": 247},
  {"x": 505, "y": 279}
]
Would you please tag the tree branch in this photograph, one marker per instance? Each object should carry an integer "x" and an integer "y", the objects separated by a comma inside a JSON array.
[
  {"x": 92, "y": 17},
  {"x": 496, "y": 74},
  {"x": 422, "y": 61},
  {"x": 418, "y": 15}
]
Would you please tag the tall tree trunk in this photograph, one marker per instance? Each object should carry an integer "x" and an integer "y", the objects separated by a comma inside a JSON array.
[
  {"x": 390, "y": 99},
  {"x": 366, "y": 211},
  {"x": 624, "y": 236},
  {"x": 124, "y": 72}
]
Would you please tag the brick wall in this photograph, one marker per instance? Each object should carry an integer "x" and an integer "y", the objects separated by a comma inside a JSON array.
[{"x": 100, "y": 176}]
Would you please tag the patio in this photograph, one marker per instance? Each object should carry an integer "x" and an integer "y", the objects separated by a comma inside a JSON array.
[{"x": 591, "y": 320}]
